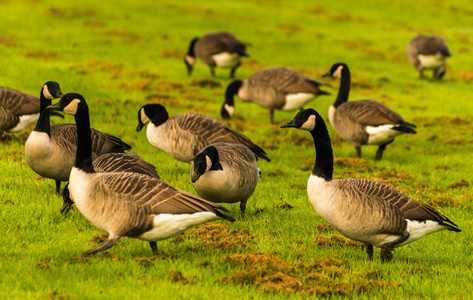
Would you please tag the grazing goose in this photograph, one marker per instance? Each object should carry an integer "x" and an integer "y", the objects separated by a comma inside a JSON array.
[
  {"x": 17, "y": 110},
  {"x": 50, "y": 149},
  {"x": 273, "y": 88},
  {"x": 428, "y": 52},
  {"x": 225, "y": 172},
  {"x": 361, "y": 209},
  {"x": 114, "y": 162},
  {"x": 363, "y": 122},
  {"x": 183, "y": 136},
  {"x": 128, "y": 204},
  {"x": 217, "y": 49}
]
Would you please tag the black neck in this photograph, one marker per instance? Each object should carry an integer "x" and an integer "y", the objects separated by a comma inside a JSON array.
[
  {"x": 323, "y": 151},
  {"x": 84, "y": 141},
  {"x": 190, "y": 51},
  {"x": 344, "y": 91},
  {"x": 43, "y": 124}
]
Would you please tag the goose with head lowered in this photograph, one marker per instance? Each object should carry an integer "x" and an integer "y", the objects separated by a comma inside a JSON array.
[
  {"x": 274, "y": 89},
  {"x": 183, "y": 136},
  {"x": 364, "y": 210},
  {"x": 218, "y": 49},
  {"x": 428, "y": 52},
  {"x": 363, "y": 122},
  {"x": 50, "y": 149},
  {"x": 114, "y": 162},
  {"x": 128, "y": 204},
  {"x": 224, "y": 172}
]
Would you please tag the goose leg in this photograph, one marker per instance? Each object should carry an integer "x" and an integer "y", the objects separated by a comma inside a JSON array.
[
  {"x": 212, "y": 71},
  {"x": 271, "y": 116},
  {"x": 386, "y": 249},
  {"x": 243, "y": 207},
  {"x": 232, "y": 71},
  {"x": 369, "y": 251},
  {"x": 108, "y": 244},
  {"x": 58, "y": 187},
  {"x": 154, "y": 247},
  {"x": 381, "y": 149},
  {"x": 66, "y": 206},
  {"x": 358, "y": 150}
]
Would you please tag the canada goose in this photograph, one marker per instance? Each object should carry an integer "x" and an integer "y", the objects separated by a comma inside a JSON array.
[
  {"x": 128, "y": 204},
  {"x": 428, "y": 52},
  {"x": 50, "y": 149},
  {"x": 225, "y": 172},
  {"x": 361, "y": 209},
  {"x": 363, "y": 122},
  {"x": 114, "y": 162},
  {"x": 17, "y": 110},
  {"x": 217, "y": 49},
  {"x": 183, "y": 136},
  {"x": 273, "y": 88}
]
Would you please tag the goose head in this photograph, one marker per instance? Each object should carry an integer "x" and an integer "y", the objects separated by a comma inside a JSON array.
[
  {"x": 70, "y": 103},
  {"x": 206, "y": 160},
  {"x": 154, "y": 113},
  {"x": 189, "y": 58},
  {"x": 336, "y": 70},
  {"x": 51, "y": 90},
  {"x": 304, "y": 120},
  {"x": 228, "y": 107}
]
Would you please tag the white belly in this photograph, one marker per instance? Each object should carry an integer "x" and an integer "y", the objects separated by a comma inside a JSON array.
[
  {"x": 297, "y": 101},
  {"x": 431, "y": 61},
  {"x": 378, "y": 135},
  {"x": 167, "y": 225},
  {"x": 25, "y": 122},
  {"x": 226, "y": 60}
]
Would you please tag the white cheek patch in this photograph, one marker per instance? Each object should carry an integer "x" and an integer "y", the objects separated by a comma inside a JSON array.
[
  {"x": 338, "y": 72},
  {"x": 309, "y": 125},
  {"x": 229, "y": 109},
  {"x": 143, "y": 117},
  {"x": 190, "y": 60},
  {"x": 209, "y": 163},
  {"x": 71, "y": 108},
  {"x": 46, "y": 93}
]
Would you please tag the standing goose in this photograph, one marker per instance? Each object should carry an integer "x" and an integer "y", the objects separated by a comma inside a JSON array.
[
  {"x": 183, "y": 136},
  {"x": 367, "y": 211},
  {"x": 363, "y": 122},
  {"x": 217, "y": 49},
  {"x": 225, "y": 172},
  {"x": 50, "y": 149},
  {"x": 428, "y": 52},
  {"x": 128, "y": 204},
  {"x": 114, "y": 162},
  {"x": 17, "y": 110},
  {"x": 273, "y": 88}
]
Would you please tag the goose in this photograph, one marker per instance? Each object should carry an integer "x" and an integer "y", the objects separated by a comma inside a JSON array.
[
  {"x": 18, "y": 110},
  {"x": 50, "y": 149},
  {"x": 363, "y": 122},
  {"x": 428, "y": 52},
  {"x": 224, "y": 172},
  {"x": 217, "y": 49},
  {"x": 364, "y": 210},
  {"x": 114, "y": 162},
  {"x": 128, "y": 204},
  {"x": 183, "y": 136},
  {"x": 273, "y": 88}
]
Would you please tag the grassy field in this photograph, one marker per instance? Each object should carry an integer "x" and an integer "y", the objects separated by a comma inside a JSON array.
[{"x": 121, "y": 55}]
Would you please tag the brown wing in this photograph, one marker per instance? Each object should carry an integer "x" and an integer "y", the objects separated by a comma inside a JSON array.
[
  {"x": 124, "y": 162},
  {"x": 430, "y": 45},
  {"x": 18, "y": 103},
  {"x": 369, "y": 112},
  {"x": 7, "y": 119},
  {"x": 219, "y": 42},
  {"x": 284, "y": 80}
]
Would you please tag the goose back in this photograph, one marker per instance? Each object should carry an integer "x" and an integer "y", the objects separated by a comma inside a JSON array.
[{"x": 215, "y": 43}]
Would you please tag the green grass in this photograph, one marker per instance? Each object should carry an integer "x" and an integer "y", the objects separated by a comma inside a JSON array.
[{"x": 120, "y": 55}]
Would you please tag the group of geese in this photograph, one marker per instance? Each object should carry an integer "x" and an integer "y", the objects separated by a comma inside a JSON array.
[{"x": 122, "y": 194}]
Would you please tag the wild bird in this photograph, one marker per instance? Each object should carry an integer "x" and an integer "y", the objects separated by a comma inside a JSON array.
[
  {"x": 50, "y": 149},
  {"x": 18, "y": 110},
  {"x": 274, "y": 89},
  {"x": 114, "y": 162},
  {"x": 224, "y": 172},
  {"x": 183, "y": 136},
  {"x": 364, "y": 210},
  {"x": 428, "y": 52},
  {"x": 128, "y": 204},
  {"x": 363, "y": 122},
  {"x": 217, "y": 49}
]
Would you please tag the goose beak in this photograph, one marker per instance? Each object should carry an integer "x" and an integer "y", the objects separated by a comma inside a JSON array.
[
  {"x": 327, "y": 74},
  {"x": 59, "y": 94},
  {"x": 140, "y": 126},
  {"x": 53, "y": 107},
  {"x": 195, "y": 177},
  {"x": 289, "y": 124}
]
